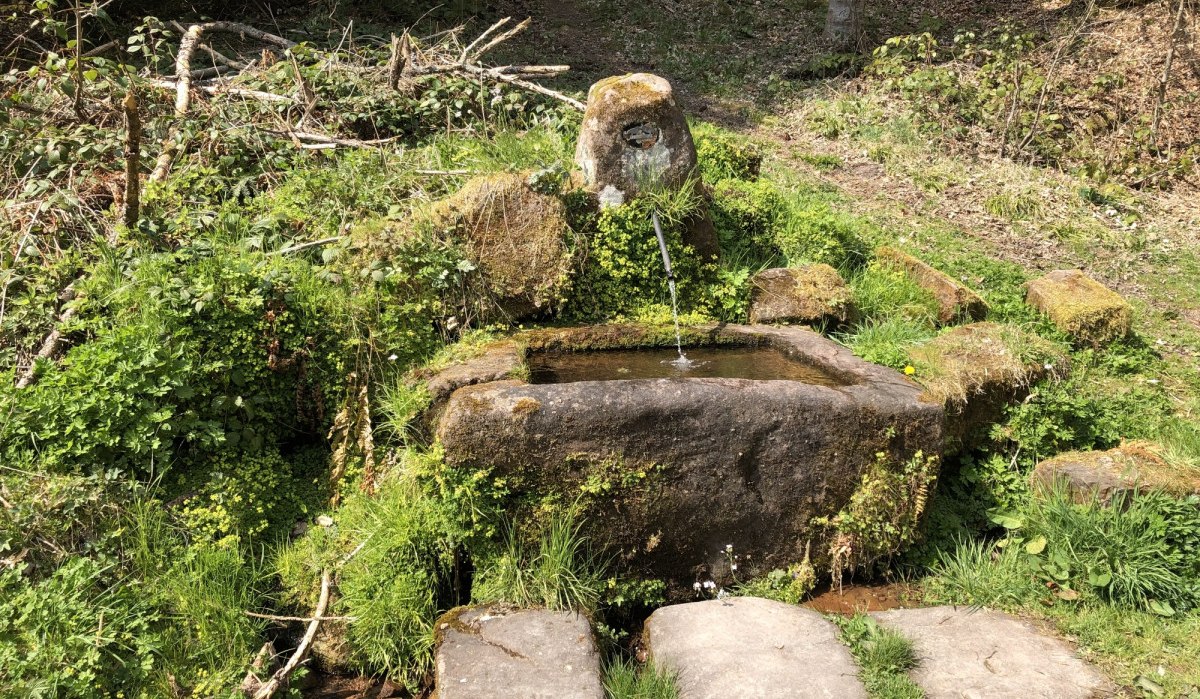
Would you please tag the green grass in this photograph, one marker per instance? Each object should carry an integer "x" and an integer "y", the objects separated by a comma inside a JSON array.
[
  {"x": 557, "y": 572},
  {"x": 884, "y": 657},
  {"x": 624, "y": 679},
  {"x": 886, "y": 341}
]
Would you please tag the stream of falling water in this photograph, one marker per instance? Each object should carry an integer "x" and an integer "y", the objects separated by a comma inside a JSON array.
[{"x": 683, "y": 362}]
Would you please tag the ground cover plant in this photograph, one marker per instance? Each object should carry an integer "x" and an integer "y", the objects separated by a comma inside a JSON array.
[{"x": 210, "y": 406}]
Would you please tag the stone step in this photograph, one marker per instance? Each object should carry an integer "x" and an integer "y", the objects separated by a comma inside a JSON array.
[
  {"x": 966, "y": 653},
  {"x": 498, "y": 652},
  {"x": 751, "y": 648}
]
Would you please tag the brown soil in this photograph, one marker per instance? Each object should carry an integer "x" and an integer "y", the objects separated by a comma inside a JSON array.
[
  {"x": 867, "y": 597},
  {"x": 321, "y": 686}
]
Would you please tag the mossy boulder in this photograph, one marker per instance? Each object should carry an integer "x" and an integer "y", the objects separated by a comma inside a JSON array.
[
  {"x": 976, "y": 370},
  {"x": 956, "y": 302},
  {"x": 812, "y": 294},
  {"x": 1104, "y": 475},
  {"x": 1081, "y": 306},
  {"x": 515, "y": 236},
  {"x": 634, "y": 135}
]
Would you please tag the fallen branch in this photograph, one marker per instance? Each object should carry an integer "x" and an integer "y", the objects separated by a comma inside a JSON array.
[
  {"x": 303, "y": 246},
  {"x": 1161, "y": 96},
  {"x": 225, "y": 89},
  {"x": 54, "y": 339},
  {"x": 276, "y": 617},
  {"x": 280, "y": 677}
]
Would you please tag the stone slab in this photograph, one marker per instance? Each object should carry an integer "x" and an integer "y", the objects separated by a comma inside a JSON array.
[
  {"x": 808, "y": 294},
  {"x": 966, "y": 653},
  {"x": 751, "y": 648},
  {"x": 1081, "y": 306},
  {"x": 955, "y": 300},
  {"x": 494, "y": 652}
]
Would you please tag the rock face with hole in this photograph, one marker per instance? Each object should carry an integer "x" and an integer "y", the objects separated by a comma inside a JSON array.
[
  {"x": 956, "y": 302},
  {"x": 1104, "y": 475},
  {"x": 634, "y": 134},
  {"x": 515, "y": 236},
  {"x": 983, "y": 654},
  {"x": 676, "y": 468},
  {"x": 496, "y": 652},
  {"x": 976, "y": 370},
  {"x": 1081, "y": 306},
  {"x": 810, "y": 295},
  {"x": 750, "y": 647}
]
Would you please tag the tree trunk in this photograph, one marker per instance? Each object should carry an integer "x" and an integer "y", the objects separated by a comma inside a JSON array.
[{"x": 841, "y": 23}]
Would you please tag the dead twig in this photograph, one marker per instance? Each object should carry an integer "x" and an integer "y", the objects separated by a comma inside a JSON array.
[
  {"x": 276, "y": 617},
  {"x": 1160, "y": 97},
  {"x": 280, "y": 677}
]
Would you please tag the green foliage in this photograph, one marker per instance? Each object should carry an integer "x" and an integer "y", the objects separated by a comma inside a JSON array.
[
  {"x": 74, "y": 633},
  {"x": 886, "y": 341},
  {"x": 884, "y": 657},
  {"x": 883, "y": 514},
  {"x": 882, "y": 294},
  {"x": 239, "y": 498},
  {"x": 725, "y": 155},
  {"x": 810, "y": 231},
  {"x": 1139, "y": 552},
  {"x": 400, "y": 579},
  {"x": 560, "y": 573},
  {"x": 623, "y": 268},
  {"x": 790, "y": 586},
  {"x": 745, "y": 215},
  {"x": 624, "y": 679},
  {"x": 1088, "y": 411},
  {"x": 48, "y": 518}
]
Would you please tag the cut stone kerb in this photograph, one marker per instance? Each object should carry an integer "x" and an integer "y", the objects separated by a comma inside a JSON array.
[{"x": 634, "y": 136}]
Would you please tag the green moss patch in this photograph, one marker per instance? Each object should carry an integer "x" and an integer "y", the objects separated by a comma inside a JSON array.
[{"x": 1081, "y": 307}]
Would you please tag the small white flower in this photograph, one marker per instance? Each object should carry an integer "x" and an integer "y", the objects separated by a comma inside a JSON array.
[
  {"x": 733, "y": 566},
  {"x": 709, "y": 584},
  {"x": 1048, "y": 366},
  {"x": 393, "y": 357},
  {"x": 729, "y": 548},
  {"x": 696, "y": 586},
  {"x": 721, "y": 594},
  {"x": 1160, "y": 342},
  {"x": 1153, "y": 382}
]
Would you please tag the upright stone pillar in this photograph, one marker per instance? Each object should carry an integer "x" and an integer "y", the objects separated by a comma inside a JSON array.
[{"x": 634, "y": 135}]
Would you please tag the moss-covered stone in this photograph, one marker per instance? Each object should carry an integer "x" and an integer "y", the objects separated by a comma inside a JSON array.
[
  {"x": 976, "y": 370},
  {"x": 812, "y": 294},
  {"x": 956, "y": 302},
  {"x": 515, "y": 236},
  {"x": 1081, "y": 306},
  {"x": 1131, "y": 467},
  {"x": 634, "y": 135}
]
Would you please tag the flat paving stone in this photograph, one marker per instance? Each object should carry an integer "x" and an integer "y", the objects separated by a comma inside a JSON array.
[
  {"x": 494, "y": 652},
  {"x": 967, "y": 653},
  {"x": 751, "y": 648}
]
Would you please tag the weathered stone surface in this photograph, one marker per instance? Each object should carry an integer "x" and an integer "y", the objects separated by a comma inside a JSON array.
[
  {"x": 497, "y": 362},
  {"x": 1131, "y": 467},
  {"x": 955, "y": 301},
  {"x": 495, "y": 652},
  {"x": 808, "y": 294},
  {"x": 1081, "y": 306},
  {"x": 750, "y": 647},
  {"x": 976, "y": 370},
  {"x": 515, "y": 236},
  {"x": 633, "y": 133},
  {"x": 687, "y": 466},
  {"x": 983, "y": 654}
]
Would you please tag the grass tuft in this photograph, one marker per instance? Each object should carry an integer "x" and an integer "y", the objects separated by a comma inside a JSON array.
[
  {"x": 624, "y": 679},
  {"x": 883, "y": 655}
]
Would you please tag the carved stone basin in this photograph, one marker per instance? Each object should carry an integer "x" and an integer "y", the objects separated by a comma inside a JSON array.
[{"x": 672, "y": 470}]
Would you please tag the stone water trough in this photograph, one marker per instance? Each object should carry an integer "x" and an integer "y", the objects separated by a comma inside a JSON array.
[{"x": 672, "y": 469}]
